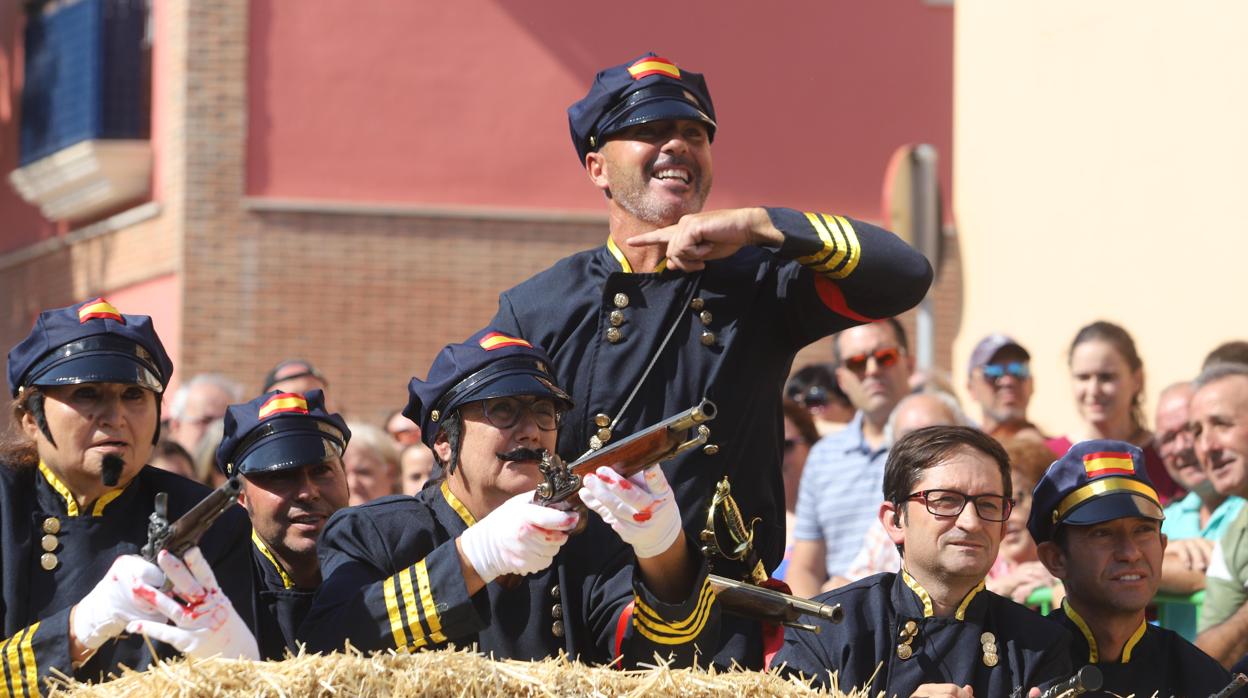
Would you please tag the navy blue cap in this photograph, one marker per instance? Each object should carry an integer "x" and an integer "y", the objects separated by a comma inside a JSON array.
[
  {"x": 90, "y": 342},
  {"x": 1096, "y": 481},
  {"x": 649, "y": 88},
  {"x": 278, "y": 431},
  {"x": 488, "y": 364}
]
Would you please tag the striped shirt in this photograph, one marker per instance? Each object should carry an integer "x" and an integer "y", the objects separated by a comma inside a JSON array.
[{"x": 840, "y": 494}]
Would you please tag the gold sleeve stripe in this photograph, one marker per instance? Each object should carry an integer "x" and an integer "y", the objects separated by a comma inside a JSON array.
[
  {"x": 426, "y": 602},
  {"x": 410, "y": 607},
  {"x": 11, "y": 675},
  {"x": 852, "y": 247},
  {"x": 829, "y": 245},
  {"x": 28, "y": 658},
  {"x": 842, "y": 247},
  {"x": 392, "y": 610},
  {"x": 651, "y": 625}
]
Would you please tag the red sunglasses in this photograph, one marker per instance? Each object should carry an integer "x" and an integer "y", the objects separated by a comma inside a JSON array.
[{"x": 884, "y": 358}]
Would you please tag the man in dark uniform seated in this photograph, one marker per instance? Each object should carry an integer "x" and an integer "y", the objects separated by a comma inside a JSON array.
[
  {"x": 75, "y": 497},
  {"x": 1097, "y": 521},
  {"x": 681, "y": 304},
  {"x": 446, "y": 566},
  {"x": 932, "y": 629},
  {"x": 288, "y": 450}
]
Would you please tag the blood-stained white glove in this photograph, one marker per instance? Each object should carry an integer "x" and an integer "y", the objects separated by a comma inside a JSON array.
[
  {"x": 125, "y": 594},
  {"x": 641, "y": 509},
  {"x": 207, "y": 625},
  {"x": 519, "y": 537}
]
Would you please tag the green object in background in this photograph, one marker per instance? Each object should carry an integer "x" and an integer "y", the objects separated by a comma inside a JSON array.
[{"x": 1174, "y": 612}]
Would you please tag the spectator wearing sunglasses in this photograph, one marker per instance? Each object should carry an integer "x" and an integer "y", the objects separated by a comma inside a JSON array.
[
  {"x": 836, "y": 499},
  {"x": 814, "y": 388},
  {"x": 999, "y": 380},
  {"x": 932, "y": 629}
]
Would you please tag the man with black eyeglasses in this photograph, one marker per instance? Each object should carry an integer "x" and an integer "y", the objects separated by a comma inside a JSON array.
[
  {"x": 1096, "y": 518},
  {"x": 837, "y": 497},
  {"x": 933, "y": 629},
  {"x": 472, "y": 561},
  {"x": 999, "y": 380}
]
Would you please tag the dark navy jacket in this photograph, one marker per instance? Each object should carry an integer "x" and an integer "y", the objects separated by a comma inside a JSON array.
[
  {"x": 280, "y": 606},
  {"x": 1153, "y": 660},
  {"x": 392, "y": 580},
  {"x": 738, "y": 324},
  {"x": 1027, "y": 649},
  {"x": 35, "y": 602}
]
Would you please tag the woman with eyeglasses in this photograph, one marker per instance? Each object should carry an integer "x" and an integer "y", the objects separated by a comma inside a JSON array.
[{"x": 1107, "y": 378}]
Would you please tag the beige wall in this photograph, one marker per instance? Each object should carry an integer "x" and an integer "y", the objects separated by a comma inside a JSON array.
[{"x": 1101, "y": 157}]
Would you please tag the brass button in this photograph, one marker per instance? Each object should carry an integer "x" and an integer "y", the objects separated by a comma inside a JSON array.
[
  {"x": 988, "y": 639},
  {"x": 556, "y": 611},
  {"x": 604, "y": 435},
  {"x": 602, "y": 420},
  {"x": 595, "y": 443},
  {"x": 554, "y": 592},
  {"x": 556, "y": 628},
  {"x": 614, "y": 335},
  {"x": 49, "y": 543},
  {"x": 617, "y": 318},
  {"x": 697, "y": 303},
  {"x": 621, "y": 300},
  {"x": 434, "y": 415},
  {"x": 705, "y": 317},
  {"x": 51, "y": 525},
  {"x": 708, "y": 337},
  {"x": 911, "y": 627},
  {"x": 710, "y": 449},
  {"x": 904, "y": 652},
  {"x": 990, "y": 659},
  {"x": 47, "y": 561}
]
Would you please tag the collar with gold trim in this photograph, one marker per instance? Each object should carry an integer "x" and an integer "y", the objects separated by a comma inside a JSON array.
[
  {"x": 458, "y": 506},
  {"x": 1094, "y": 655},
  {"x": 926, "y": 599},
  {"x": 287, "y": 582},
  {"x": 624, "y": 265},
  {"x": 71, "y": 504}
]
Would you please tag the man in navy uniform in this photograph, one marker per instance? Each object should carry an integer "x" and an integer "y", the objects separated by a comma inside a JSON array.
[
  {"x": 1097, "y": 521},
  {"x": 474, "y": 561},
  {"x": 933, "y": 630},
  {"x": 681, "y": 304},
  {"x": 288, "y": 450},
  {"x": 75, "y": 497}
]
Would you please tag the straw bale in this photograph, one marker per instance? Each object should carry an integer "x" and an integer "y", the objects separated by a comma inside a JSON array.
[{"x": 436, "y": 673}]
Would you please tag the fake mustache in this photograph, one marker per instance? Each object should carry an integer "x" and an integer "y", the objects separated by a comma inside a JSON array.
[{"x": 522, "y": 454}]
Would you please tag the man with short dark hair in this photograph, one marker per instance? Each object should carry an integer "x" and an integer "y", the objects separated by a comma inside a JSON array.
[
  {"x": 836, "y": 502},
  {"x": 295, "y": 376},
  {"x": 287, "y": 450},
  {"x": 475, "y": 562},
  {"x": 932, "y": 629},
  {"x": 1096, "y": 519}
]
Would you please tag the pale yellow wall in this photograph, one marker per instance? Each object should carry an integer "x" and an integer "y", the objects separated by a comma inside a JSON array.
[{"x": 1101, "y": 171}]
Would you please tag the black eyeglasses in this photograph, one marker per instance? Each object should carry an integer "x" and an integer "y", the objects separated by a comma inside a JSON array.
[
  {"x": 989, "y": 507},
  {"x": 506, "y": 412}
]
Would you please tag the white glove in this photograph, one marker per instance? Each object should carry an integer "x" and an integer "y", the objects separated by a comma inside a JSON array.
[
  {"x": 208, "y": 625},
  {"x": 641, "y": 509},
  {"x": 519, "y": 537},
  {"x": 125, "y": 593}
]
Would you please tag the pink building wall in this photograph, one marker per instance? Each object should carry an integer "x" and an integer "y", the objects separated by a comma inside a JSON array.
[{"x": 462, "y": 104}]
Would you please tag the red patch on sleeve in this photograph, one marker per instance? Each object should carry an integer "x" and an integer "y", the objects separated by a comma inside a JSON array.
[{"x": 834, "y": 299}]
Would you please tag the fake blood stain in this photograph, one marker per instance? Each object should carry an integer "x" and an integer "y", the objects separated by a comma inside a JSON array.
[
  {"x": 145, "y": 593},
  {"x": 645, "y": 514}
]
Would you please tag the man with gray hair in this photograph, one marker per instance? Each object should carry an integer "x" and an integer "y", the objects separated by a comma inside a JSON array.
[
  {"x": 1219, "y": 419},
  {"x": 198, "y": 403}
]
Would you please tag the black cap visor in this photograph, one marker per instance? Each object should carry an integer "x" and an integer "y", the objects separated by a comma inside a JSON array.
[
  {"x": 1114, "y": 505},
  {"x": 287, "y": 449},
  {"x": 99, "y": 367},
  {"x": 513, "y": 384},
  {"x": 654, "y": 103}
]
